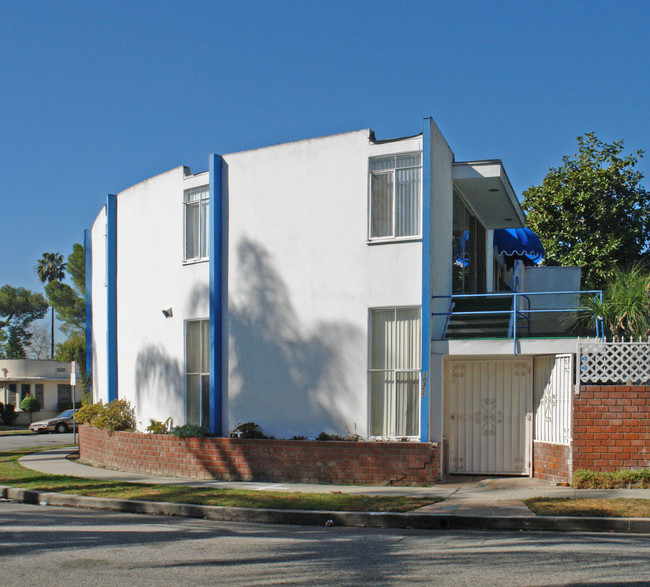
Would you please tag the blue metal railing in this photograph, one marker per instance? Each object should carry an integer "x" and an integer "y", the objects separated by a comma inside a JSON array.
[{"x": 515, "y": 312}]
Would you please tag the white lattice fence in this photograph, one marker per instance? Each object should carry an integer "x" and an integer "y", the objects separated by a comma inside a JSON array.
[{"x": 601, "y": 361}]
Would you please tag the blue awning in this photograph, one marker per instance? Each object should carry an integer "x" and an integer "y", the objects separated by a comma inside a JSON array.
[{"x": 521, "y": 243}]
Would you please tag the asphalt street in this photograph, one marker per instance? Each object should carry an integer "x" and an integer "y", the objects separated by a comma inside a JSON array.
[
  {"x": 42, "y": 545},
  {"x": 14, "y": 441}
]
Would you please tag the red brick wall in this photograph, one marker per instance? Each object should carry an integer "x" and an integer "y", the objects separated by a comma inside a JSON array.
[
  {"x": 231, "y": 459},
  {"x": 611, "y": 427},
  {"x": 552, "y": 462}
]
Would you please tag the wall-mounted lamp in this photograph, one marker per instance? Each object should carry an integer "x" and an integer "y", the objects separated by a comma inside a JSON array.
[{"x": 168, "y": 313}]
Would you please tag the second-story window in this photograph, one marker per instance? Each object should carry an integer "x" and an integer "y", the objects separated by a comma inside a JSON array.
[
  {"x": 197, "y": 224},
  {"x": 395, "y": 196}
]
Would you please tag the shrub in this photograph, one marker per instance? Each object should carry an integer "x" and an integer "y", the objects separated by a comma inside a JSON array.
[
  {"x": 87, "y": 413},
  {"x": 158, "y": 427},
  {"x": 583, "y": 479},
  {"x": 9, "y": 414},
  {"x": 30, "y": 404},
  {"x": 247, "y": 430},
  {"x": 326, "y": 436},
  {"x": 116, "y": 415},
  {"x": 190, "y": 431}
]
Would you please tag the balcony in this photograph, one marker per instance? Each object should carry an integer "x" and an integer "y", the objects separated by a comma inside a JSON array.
[{"x": 520, "y": 315}]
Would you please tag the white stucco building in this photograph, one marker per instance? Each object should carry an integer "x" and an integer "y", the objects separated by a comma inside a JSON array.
[
  {"x": 48, "y": 381},
  {"x": 307, "y": 287}
]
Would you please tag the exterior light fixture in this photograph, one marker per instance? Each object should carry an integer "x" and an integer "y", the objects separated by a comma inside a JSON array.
[{"x": 168, "y": 313}]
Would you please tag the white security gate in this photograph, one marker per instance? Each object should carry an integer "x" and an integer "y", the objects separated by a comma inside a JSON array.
[
  {"x": 552, "y": 393},
  {"x": 488, "y": 415}
]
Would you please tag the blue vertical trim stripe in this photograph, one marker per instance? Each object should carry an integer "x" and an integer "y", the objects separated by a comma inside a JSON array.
[
  {"x": 88, "y": 250},
  {"x": 217, "y": 294},
  {"x": 111, "y": 294},
  {"x": 426, "y": 278}
]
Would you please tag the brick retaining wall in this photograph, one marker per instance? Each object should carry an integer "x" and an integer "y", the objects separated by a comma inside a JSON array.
[
  {"x": 232, "y": 459},
  {"x": 552, "y": 462},
  {"x": 611, "y": 427}
]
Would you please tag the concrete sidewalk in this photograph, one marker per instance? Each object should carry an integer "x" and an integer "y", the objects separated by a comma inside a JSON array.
[{"x": 472, "y": 497}]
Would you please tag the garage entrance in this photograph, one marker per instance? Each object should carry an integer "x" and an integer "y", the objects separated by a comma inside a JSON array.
[{"x": 488, "y": 416}]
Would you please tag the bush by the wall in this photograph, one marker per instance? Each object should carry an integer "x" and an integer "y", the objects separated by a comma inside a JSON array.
[
  {"x": 190, "y": 431},
  {"x": 8, "y": 415},
  {"x": 87, "y": 413},
  {"x": 115, "y": 415},
  {"x": 247, "y": 430},
  {"x": 584, "y": 479},
  {"x": 158, "y": 427}
]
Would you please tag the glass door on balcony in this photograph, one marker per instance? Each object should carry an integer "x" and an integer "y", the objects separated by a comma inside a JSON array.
[{"x": 468, "y": 247}]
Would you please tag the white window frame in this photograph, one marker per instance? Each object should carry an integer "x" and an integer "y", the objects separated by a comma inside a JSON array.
[
  {"x": 186, "y": 203},
  {"x": 395, "y": 371},
  {"x": 200, "y": 373},
  {"x": 371, "y": 172}
]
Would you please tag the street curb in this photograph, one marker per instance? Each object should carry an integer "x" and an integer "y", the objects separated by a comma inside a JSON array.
[{"x": 324, "y": 518}]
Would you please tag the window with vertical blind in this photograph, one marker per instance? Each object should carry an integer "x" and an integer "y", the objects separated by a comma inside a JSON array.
[
  {"x": 395, "y": 196},
  {"x": 394, "y": 377},
  {"x": 38, "y": 394},
  {"x": 197, "y": 224},
  {"x": 197, "y": 371}
]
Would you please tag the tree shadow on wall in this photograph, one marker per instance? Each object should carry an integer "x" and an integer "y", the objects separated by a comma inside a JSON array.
[
  {"x": 290, "y": 378},
  {"x": 158, "y": 382}
]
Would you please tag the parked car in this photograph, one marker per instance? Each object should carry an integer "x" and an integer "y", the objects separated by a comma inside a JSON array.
[{"x": 60, "y": 423}]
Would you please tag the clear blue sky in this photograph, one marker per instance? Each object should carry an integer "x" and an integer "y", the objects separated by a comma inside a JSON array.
[{"x": 96, "y": 96}]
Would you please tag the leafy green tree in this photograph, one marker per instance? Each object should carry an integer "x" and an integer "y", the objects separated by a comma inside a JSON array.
[
  {"x": 74, "y": 349},
  {"x": 49, "y": 268},
  {"x": 30, "y": 404},
  {"x": 592, "y": 211},
  {"x": 19, "y": 307},
  {"x": 70, "y": 306}
]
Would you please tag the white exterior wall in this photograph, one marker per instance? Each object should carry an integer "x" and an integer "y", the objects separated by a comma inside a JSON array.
[
  {"x": 99, "y": 297},
  {"x": 302, "y": 278},
  {"x": 550, "y": 279},
  {"x": 151, "y": 276},
  {"x": 442, "y": 158}
]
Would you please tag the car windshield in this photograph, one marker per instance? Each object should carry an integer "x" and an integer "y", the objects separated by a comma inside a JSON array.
[{"x": 66, "y": 414}]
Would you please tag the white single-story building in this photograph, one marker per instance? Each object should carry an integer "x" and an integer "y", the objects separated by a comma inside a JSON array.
[
  {"x": 308, "y": 287},
  {"x": 48, "y": 381}
]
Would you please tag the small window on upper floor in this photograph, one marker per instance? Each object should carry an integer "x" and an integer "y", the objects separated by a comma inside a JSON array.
[
  {"x": 197, "y": 224},
  {"x": 395, "y": 196}
]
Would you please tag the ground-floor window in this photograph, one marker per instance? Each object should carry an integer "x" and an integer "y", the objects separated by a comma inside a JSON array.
[
  {"x": 395, "y": 341},
  {"x": 63, "y": 396},
  {"x": 38, "y": 393},
  {"x": 197, "y": 371},
  {"x": 13, "y": 394},
  {"x": 25, "y": 390}
]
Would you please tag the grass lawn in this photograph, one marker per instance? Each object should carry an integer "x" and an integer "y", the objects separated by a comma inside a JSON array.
[
  {"x": 12, "y": 473},
  {"x": 6, "y": 431},
  {"x": 609, "y": 508}
]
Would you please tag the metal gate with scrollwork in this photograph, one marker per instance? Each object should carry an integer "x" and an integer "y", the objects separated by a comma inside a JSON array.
[{"x": 488, "y": 406}]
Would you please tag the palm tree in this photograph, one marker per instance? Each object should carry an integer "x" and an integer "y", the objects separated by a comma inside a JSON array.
[{"x": 50, "y": 268}]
